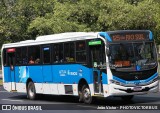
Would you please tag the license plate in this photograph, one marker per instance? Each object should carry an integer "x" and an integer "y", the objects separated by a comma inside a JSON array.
[{"x": 137, "y": 88}]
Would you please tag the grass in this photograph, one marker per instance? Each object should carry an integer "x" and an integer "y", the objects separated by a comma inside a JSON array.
[{"x": 1, "y": 81}]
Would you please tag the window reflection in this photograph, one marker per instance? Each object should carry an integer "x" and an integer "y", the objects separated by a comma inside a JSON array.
[{"x": 131, "y": 54}]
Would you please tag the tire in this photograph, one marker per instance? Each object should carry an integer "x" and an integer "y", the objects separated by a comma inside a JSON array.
[
  {"x": 31, "y": 91},
  {"x": 127, "y": 98},
  {"x": 86, "y": 95}
]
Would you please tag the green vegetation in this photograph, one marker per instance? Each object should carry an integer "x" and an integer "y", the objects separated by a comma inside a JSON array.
[
  {"x": 26, "y": 19},
  {"x": 1, "y": 81}
]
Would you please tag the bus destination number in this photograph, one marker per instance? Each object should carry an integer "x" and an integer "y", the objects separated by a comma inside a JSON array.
[{"x": 128, "y": 37}]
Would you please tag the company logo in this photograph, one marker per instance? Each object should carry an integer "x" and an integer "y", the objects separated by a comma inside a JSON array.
[
  {"x": 72, "y": 73},
  {"x": 136, "y": 77},
  {"x": 6, "y": 107},
  {"x": 62, "y": 72},
  {"x": 67, "y": 72}
]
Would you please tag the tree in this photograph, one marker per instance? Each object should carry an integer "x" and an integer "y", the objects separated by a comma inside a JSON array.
[
  {"x": 17, "y": 15},
  {"x": 27, "y": 19},
  {"x": 133, "y": 2}
]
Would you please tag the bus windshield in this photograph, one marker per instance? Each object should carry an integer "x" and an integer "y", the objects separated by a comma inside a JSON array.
[{"x": 132, "y": 56}]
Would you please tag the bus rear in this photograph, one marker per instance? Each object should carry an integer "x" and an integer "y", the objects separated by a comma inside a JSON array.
[{"x": 132, "y": 63}]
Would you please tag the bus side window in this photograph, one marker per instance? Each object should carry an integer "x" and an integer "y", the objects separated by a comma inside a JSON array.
[
  {"x": 80, "y": 52},
  {"x": 58, "y": 53},
  {"x": 61, "y": 51},
  {"x": 72, "y": 52},
  {"x": 24, "y": 55},
  {"x": 46, "y": 55},
  {"x": 18, "y": 56},
  {"x": 4, "y": 57},
  {"x": 69, "y": 53},
  {"x": 34, "y": 54}
]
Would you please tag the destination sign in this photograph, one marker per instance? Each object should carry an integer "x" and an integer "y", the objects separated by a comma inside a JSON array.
[
  {"x": 130, "y": 37},
  {"x": 11, "y": 50}
]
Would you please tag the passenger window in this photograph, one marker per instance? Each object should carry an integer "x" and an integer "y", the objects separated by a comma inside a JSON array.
[
  {"x": 46, "y": 55},
  {"x": 58, "y": 53},
  {"x": 24, "y": 56},
  {"x": 4, "y": 57},
  {"x": 18, "y": 56},
  {"x": 34, "y": 54},
  {"x": 69, "y": 49},
  {"x": 80, "y": 52},
  {"x": 80, "y": 46}
]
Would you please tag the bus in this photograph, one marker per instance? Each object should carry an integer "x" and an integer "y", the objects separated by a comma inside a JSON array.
[{"x": 84, "y": 64}]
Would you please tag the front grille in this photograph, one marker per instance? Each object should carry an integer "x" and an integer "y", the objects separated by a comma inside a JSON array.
[{"x": 135, "y": 75}]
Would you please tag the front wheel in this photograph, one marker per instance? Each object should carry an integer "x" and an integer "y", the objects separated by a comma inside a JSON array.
[
  {"x": 31, "y": 91},
  {"x": 86, "y": 95}
]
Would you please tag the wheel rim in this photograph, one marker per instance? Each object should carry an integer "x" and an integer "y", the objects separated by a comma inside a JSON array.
[
  {"x": 86, "y": 94},
  {"x": 31, "y": 90}
]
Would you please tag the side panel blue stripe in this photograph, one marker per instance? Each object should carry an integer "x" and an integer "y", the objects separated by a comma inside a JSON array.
[
  {"x": 7, "y": 76},
  {"x": 47, "y": 73},
  {"x": 67, "y": 74},
  {"x": 70, "y": 74},
  {"x": 25, "y": 72},
  {"x": 104, "y": 78},
  {"x": 35, "y": 73}
]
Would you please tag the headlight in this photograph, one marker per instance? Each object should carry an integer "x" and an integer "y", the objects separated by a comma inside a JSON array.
[{"x": 115, "y": 82}]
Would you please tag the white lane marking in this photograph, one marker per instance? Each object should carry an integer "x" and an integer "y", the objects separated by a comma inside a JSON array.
[
  {"x": 87, "y": 106},
  {"x": 12, "y": 100}
]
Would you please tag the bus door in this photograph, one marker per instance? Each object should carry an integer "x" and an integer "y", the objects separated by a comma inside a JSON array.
[
  {"x": 47, "y": 68},
  {"x": 96, "y": 57},
  {"x": 11, "y": 64}
]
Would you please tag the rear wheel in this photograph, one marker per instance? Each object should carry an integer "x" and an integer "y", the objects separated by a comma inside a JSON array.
[
  {"x": 86, "y": 95},
  {"x": 31, "y": 91},
  {"x": 127, "y": 98}
]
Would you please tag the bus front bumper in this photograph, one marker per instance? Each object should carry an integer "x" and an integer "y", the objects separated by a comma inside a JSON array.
[{"x": 116, "y": 90}]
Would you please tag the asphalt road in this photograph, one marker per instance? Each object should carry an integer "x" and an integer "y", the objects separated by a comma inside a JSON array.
[{"x": 65, "y": 103}]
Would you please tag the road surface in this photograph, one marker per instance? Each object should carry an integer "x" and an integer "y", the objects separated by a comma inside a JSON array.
[{"x": 65, "y": 103}]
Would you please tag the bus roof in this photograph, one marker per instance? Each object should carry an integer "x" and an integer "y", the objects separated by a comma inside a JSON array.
[
  {"x": 68, "y": 36},
  {"x": 54, "y": 38}
]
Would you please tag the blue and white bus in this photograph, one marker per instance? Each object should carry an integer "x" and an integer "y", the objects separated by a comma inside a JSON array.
[{"x": 85, "y": 64}]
